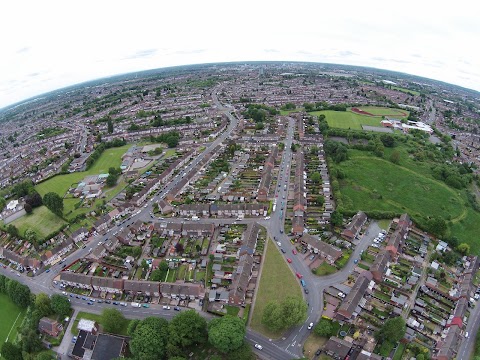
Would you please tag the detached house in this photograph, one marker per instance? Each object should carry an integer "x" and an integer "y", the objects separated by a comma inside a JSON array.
[
  {"x": 353, "y": 228},
  {"x": 49, "y": 326}
]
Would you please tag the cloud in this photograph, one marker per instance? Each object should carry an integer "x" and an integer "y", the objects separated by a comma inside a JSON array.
[
  {"x": 188, "y": 52},
  {"x": 142, "y": 54},
  {"x": 33, "y": 74},
  {"x": 271, "y": 50},
  {"x": 23, "y": 50},
  {"x": 346, "y": 53}
]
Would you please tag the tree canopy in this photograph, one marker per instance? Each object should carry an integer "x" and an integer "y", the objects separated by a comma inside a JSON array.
[
  {"x": 60, "y": 305},
  {"x": 226, "y": 333},
  {"x": 113, "y": 320},
  {"x": 279, "y": 316},
  {"x": 393, "y": 330},
  {"x": 54, "y": 203},
  {"x": 187, "y": 328},
  {"x": 150, "y": 338}
]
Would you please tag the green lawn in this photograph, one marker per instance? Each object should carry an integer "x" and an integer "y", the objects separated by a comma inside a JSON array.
[
  {"x": 350, "y": 120},
  {"x": 98, "y": 319},
  {"x": 325, "y": 269},
  {"x": 61, "y": 183},
  {"x": 384, "y": 223},
  {"x": 10, "y": 314},
  {"x": 169, "y": 153},
  {"x": 42, "y": 221},
  {"x": 408, "y": 91},
  {"x": 376, "y": 184},
  {"x": 466, "y": 230},
  {"x": 275, "y": 272}
]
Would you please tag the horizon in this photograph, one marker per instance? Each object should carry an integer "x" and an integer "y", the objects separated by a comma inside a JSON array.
[{"x": 47, "y": 49}]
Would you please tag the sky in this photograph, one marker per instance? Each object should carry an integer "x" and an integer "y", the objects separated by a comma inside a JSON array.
[{"x": 46, "y": 45}]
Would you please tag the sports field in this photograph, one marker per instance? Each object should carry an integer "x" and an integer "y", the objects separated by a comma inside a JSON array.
[
  {"x": 42, "y": 221},
  {"x": 365, "y": 115},
  {"x": 11, "y": 317},
  {"x": 275, "y": 271},
  {"x": 61, "y": 183}
]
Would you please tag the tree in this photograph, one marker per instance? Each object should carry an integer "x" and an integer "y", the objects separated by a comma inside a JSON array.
[
  {"x": 395, "y": 157},
  {"x": 324, "y": 328},
  {"x": 387, "y": 140},
  {"x": 294, "y": 311},
  {"x": 316, "y": 177},
  {"x": 113, "y": 320},
  {"x": 54, "y": 203},
  {"x": 244, "y": 352},
  {"x": 272, "y": 316},
  {"x": 44, "y": 355},
  {"x": 30, "y": 341},
  {"x": 132, "y": 325},
  {"x": 226, "y": 333},
  {"x": 31, "y": 235},
  {"x": 187, "y": 328},
  {"x": 179, "y": 247},
  {"x": 464, "y": 248},
  {"x": 28, "y": 208},
  {"x": 12, "y": 230},
  {"x": 11, "y": 352},
  {"x": 34, "y": 199},
  {"x": 336, "y": 218},
  {"x": 60, "y": 305},
  {"x": 393, "y": 330},
  {"x": 109, "y": 125},
  {"x": 149, "y": 341},
  {"x": 111, "y": 180},
  {"x": 43, "y": 304},
  {"x": 437, "y": 226}
]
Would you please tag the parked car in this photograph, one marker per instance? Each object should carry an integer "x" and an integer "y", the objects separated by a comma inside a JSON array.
[
  {"x": 289, "y": 260},
  {"x": 318, "y": 352},
  {"x": 283, "y": 250},
  {"x": 258, "y": 346},
  {"x": 306, "y": 290},
  {"x": 355, "y": 261},
  {"x": 74, "y": 339},
  {"x": 90, "y": 303},
  {"x": 294, "y": 252},
  {"x": 146, "y": 305},
  {"x": 115, "y": 303},
  {"x": 299, "y": 275},
  {"x": 108, "y": 302},
  {"x": 310, "y": 326},
  {"x": 176, "y": 308},
  {"x": 166, "y": 307},
  {"x": 340, "y": 294}
]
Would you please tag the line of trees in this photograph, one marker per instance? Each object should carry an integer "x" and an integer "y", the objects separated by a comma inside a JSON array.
[{"x": 101, "y": 148}]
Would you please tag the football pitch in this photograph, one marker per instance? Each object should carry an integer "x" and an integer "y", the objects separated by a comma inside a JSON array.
[{"x": 12, "y": 316}]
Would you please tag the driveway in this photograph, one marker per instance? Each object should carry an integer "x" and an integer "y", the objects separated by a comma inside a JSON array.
[{"x": 64, "y": 348}]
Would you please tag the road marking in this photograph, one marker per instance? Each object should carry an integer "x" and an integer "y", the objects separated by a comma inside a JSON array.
[{"x": 12, "y": 327}]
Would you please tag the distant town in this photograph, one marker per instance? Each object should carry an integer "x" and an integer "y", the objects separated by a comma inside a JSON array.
[{"x": 328, "y": 211}]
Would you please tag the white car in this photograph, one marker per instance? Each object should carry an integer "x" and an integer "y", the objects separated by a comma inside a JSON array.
[
  {"x": 267, "y": 217},
  {"x": 166, "y": 307},
  {"x": 310, "y": 326},
  {"x": 258, "y": 346},
  {"x": 279, "y": 243},
  {"x": 340, "y": 294}
]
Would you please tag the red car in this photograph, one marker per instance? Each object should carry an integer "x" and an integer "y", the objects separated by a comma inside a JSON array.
[
  {"x": 294, "y": 252},
  {"x": 289, "y": 260},
  {"x": 299, "y": 275}
]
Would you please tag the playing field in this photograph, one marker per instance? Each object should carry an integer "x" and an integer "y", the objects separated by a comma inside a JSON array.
[
  {"x": 11, "y": 317},
  {"x": 383, "y": 111},
  {"x": 61, "y": 183},
  {"x": 348, "y": 119},
  {"x": 42, "y": 221},
  {"x": 275, "y": 271}
]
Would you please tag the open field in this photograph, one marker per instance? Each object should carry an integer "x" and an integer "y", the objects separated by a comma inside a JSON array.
[
  {"x": 10, "y": 314},
  {"x": 42, "y": 221},
  {"x": 312, "y": 344},
  {"x": 275, "y": 271},
  {"x": 373, "y": 183},
  {"x": 61, "y": 183},
  {"x": 350, "y": 120},
  {"x": 347, "y": 119},
  {"x": 407, "y": 91}
]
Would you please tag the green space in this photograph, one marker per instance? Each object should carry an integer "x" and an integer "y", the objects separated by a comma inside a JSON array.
[
  {"x": 373, "y": 183},
  {"x": 384, "y": 223},
  {"x": 169, "y": 153},
  {"x": 11, "y": 316},
  {"x": 466, "y": 230},
  {"x": 312, "y": 344},
  {"x": 350, "y": 120},
  {"x": 407, "y": 91},
  {"x": 275, "y": 271},
  {"x": 324, "y": 269},
  {"x": 61, "y": 183},
  {"x": 41, "y": 220},
  {"x": 98, "y": 319},
  {"x": 347, "y": 119}
]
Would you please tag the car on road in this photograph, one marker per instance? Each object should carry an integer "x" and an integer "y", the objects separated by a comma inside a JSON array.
[
  {"x": 176, "y": 308},
  {"x": 108, "y": 302},
  {"x": 310, "y": 326},
  {"x": 299, "y": 275},
  {"x": 281, "y": 231},
  {"x": 289, "y": 260},
  {"x": 294, "y": 252},
  {"x": 267, "y": 217},
  {"x": 283, "y": 250},
  {"x": 355, "y": 261},
  {"x": 74, "y": 339},
  {"x": 115, "y": 303},
  {"x": 466, "y": 334},
  {"x": 306, "y": 290},
  {"x": 166, "y": 307},
  {"x": 318, "y": 352},
  {"x": 146, "y": 305},
  {"x": 47, "y": 271},
  {"x": 279, "y": 243},
  {"x": 258, "y": 346},
  {"x": 90, "y": 303},
  {"x": 340, "y": 294}
]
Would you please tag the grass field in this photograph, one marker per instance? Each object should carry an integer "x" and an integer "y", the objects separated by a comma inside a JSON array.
[
  {"x": 10, "y": 314},
  {"x": 98, "y": 319},
  {"x": 312, "y": 344},
  {"x": 407, "y": 91},
  {"x": 350, "y": 120},
  {"x": 275, "y": 271},
  {"x": 61, "y": 183},
  {"x": 42, "y": 221}
]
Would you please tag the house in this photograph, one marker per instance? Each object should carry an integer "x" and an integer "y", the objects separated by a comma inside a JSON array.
[
  {"x": 76, "y": 280},
  {"x": 107, "y": 285},
  {"x": 379, "y": 266},
  {"x": 98, "y": 347},
  {"x": 365, "y": 355},
  {"x": 352, "y": 230},
  {"x": 80, "y": 234},
  {"x": 241, "y": 278},
  {"x": 337, "y": 348},
  {"x": 49, "y": 326},
  {"x": 88, "y": 325},
  {"x": 349, "y": 304},
  {"x": 102, "y": 224},
  {"x": 147, "y": 288},
  {"x": 447, "y": 348},
  {"x": 317, "y": 246}
]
